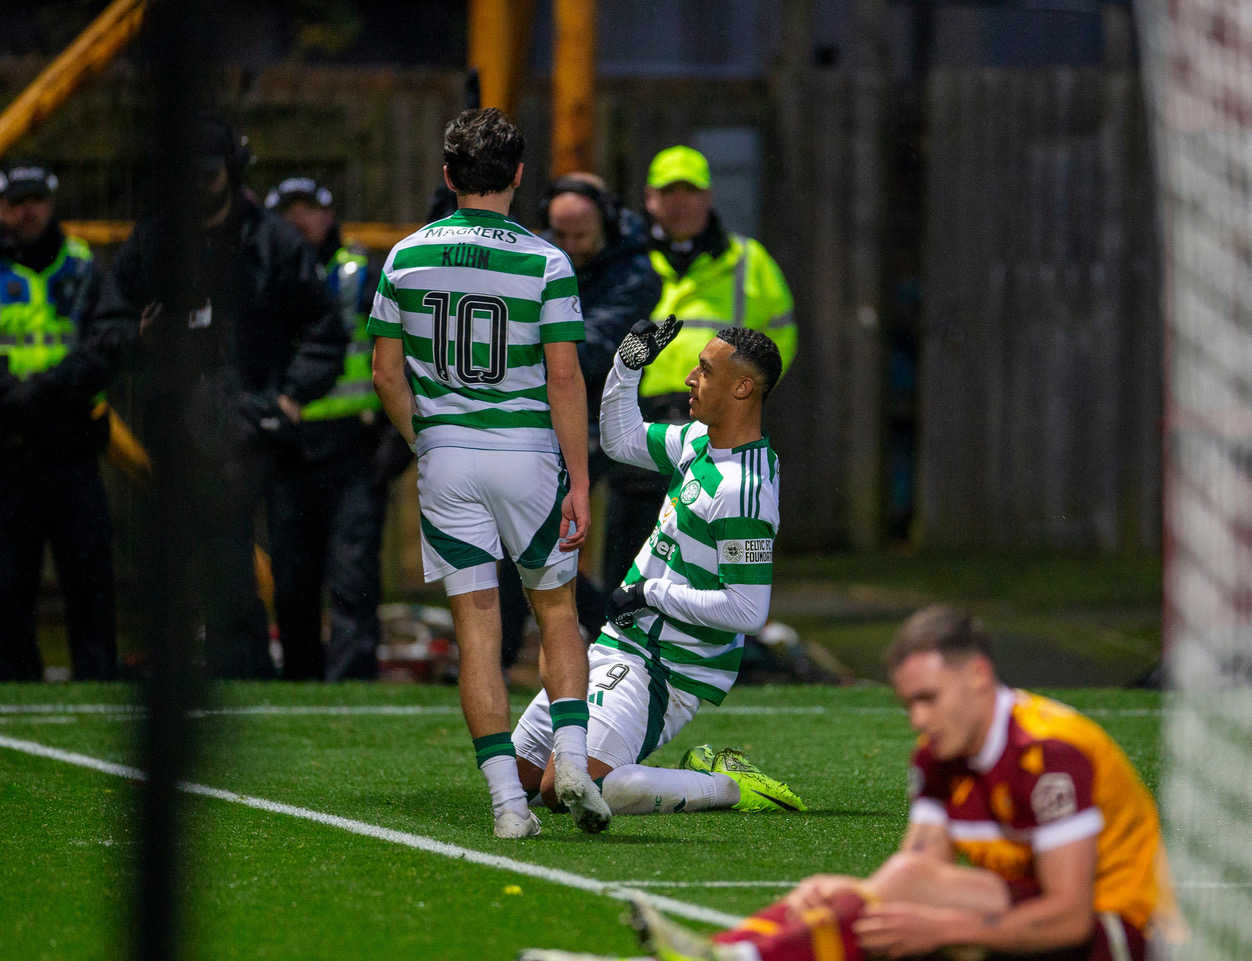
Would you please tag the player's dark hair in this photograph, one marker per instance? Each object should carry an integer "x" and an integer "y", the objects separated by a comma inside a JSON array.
[
  {"x": 759, "y": 351},
  {"x": 482, "y": 149},
  {"x": 955, "y": 635}
]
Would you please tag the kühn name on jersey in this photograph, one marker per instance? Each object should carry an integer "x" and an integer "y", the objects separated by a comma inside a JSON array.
[{"x": 466, "y": 255}]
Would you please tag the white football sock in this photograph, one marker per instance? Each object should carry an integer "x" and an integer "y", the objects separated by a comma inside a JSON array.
[
  {"x": 569, "y": 731},
  {"x": 639, "y": 789},
  {"x": 504, "y": 784},
  {"x": 569, "y": 743}
]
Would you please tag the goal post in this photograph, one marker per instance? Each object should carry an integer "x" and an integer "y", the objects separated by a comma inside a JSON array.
[{"x": 1197, "y": 60}]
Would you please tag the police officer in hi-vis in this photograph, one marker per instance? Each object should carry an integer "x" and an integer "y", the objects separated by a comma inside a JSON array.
[
  {"x": 50, "y": 442},
  {"x": 328, "y": 499}
]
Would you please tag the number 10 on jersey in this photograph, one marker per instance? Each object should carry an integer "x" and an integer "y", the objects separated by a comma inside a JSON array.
[{"x": 482, "y": 307}]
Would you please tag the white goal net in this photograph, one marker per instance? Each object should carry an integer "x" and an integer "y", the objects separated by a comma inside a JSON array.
[{"x": 1197, "y": 57}]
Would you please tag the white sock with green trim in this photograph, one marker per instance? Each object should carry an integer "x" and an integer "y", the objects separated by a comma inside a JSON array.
[
  {"x": 639, "y": 789},
  {"x": 504, "y": 784},
  {"x": 569, "y": 730}
]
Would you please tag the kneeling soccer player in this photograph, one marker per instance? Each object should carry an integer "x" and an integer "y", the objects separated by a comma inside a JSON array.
[
  {"x": 1062, "y": 835},
  {"x": 675, "y": 633}
]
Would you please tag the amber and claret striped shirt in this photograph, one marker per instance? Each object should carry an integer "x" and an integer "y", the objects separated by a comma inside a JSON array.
[{"x": 1047, "y": 776}]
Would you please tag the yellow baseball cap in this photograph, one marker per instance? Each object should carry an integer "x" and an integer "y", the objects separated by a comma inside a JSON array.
[{"x": 675, "y": 164}]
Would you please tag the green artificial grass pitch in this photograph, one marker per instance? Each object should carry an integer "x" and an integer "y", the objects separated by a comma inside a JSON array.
[{"x": 261, "y": 884}]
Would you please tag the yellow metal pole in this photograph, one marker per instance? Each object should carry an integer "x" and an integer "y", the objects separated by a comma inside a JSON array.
[
  {"x": 94, "y": 50},
  {"x": 499, "y": 42},
  {"x": 573, "y": 86}
]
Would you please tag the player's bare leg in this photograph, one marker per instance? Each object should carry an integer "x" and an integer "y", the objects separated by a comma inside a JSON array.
[
  {"x": 484, "y": 697},
  {"x": 485, "y": 703},
  {"x": 563, "y": 667},
  {"x": 596, "y": 770},
  {"x": 563, "y": 664}
]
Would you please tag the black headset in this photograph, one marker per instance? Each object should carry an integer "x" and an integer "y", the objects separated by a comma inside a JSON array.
[{"x": 609, "y": 206}]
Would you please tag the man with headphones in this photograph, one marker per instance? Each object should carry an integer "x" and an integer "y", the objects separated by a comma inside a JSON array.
[
  {"x": 608, "y": 248},
  {"x": 227, "y": 359}
]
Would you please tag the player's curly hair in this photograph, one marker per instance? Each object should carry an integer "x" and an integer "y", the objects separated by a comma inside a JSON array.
[
  {"x": 957, "y": 637},
  {"x": 758, "y": 350},
  {"x": 482, "y": 149}
]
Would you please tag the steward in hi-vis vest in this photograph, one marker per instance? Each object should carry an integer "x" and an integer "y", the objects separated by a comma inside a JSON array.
[
  {"x": 712, "y": 279},
  {"x": 50, "y": 486},
  {"x": 328, "y": 499}
]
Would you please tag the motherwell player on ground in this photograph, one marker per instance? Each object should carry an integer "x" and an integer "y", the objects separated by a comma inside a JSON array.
[{"x": 1062, "y": 837}]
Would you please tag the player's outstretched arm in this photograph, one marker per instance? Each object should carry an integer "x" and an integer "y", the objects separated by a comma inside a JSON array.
[
  {"x": 623, "y": 433},
  {"x": 567, "y": 397},
  {"x": 743, "y": 539},
  {"x": 742, "y": 608}
]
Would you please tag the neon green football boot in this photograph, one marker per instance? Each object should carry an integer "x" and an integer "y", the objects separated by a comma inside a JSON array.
[
  {"x": 757, "y": 790},
  {"x": 699, "y": 758}
]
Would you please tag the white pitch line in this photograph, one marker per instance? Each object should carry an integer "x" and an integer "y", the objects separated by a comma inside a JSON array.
[
  {"x": 693, "y": 912},
  {"x": 417, "y": 710},
  {"x": 279, "y": 710},
  {"x": 791, "y": 884},
  {"x": 403, "y": 710},
  {"x": 1215, "y": 884},
  {"x": 705, "y": 884},
  {"x": 38, "y": 719},
  {"x": 70, "y": 708}
]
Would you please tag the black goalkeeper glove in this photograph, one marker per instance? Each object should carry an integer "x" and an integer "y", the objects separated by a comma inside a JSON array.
[
  {"x": 646, "y": 340},
  {"x": 625, "y": 603}
]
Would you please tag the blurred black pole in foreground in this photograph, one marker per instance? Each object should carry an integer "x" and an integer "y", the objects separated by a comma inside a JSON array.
[{"x": 176, "y": 51}]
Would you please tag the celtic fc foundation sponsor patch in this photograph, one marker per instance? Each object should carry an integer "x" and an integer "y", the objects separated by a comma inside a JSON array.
[
  {"x": 758, "y": 551},
  {"x": 755, "y": 551}
]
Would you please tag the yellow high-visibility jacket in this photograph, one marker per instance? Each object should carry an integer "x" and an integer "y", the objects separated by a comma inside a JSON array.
[
  {"x": 353, "y": 392},
  {"x": 40, "y": 310},
  {"x": 742, "y": 288}
]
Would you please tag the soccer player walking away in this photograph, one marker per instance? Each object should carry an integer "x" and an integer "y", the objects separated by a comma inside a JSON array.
[
  {"x": 1063, "y": 843},
  {"x": 702, "y": 580},
  {"x": 476, "y": 364}
]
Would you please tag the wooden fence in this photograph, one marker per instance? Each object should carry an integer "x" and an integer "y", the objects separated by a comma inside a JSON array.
[{"x": 1040, "y": 400}]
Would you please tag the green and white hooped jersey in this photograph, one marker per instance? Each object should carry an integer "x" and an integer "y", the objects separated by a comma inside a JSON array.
[
  {"x": 474, "y": 297},
  {"x": 709, "y": 562}
]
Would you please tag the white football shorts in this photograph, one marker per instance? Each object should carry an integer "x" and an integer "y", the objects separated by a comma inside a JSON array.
[
  {"x": 632, "y": 712},
  {"x": 472, "y": 501}
]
